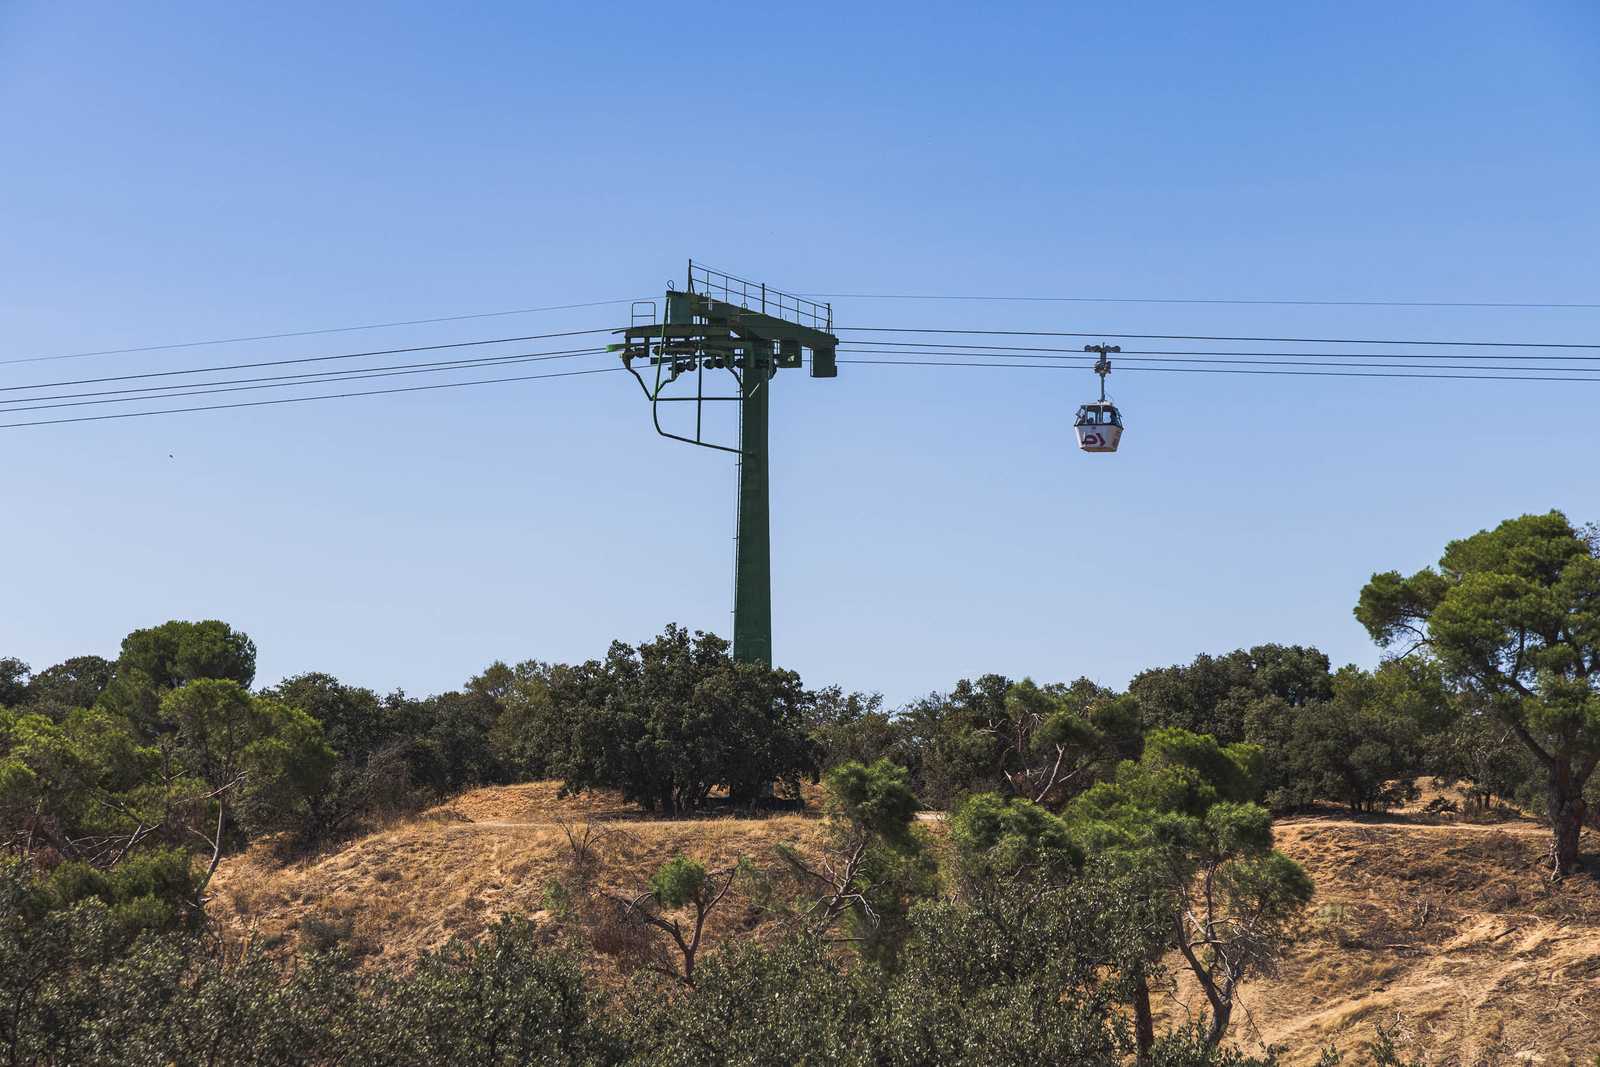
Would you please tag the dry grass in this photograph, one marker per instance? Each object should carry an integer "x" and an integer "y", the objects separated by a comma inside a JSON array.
[
  {"x": 457, "y": 868},
  {"x": 1445, "y": 930},
  {"x": 1439, "y": 926}
]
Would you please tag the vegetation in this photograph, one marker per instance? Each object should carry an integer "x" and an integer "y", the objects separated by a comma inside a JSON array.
[
  {"x": 1513, "y": 617},
  {"x": 681, "y": 885},
  {"x": 1097, "y": 842},
  {"x": 672, "y": 720},
  {"x": 874, "y": 866},
  {"x": 1181, "y": 827},
  {"x": 971, "y": 993},
  {"x": 1361, "y": 745}
]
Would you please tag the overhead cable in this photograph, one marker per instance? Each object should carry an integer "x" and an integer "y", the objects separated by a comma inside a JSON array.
[
  {"x": 306, "y": 375},
  {"x": 1085, "y": 359},
  {"x": 285, "y": 382},
  {"x": 1210, "y": 337},
  {"x": 1500, "y": 305},
  {"x": 304, "y": 359},
  {"x": 306, "y": 399},
  {"x": 1078, "y": 350},
  {"x": 1228, "y": 370},
  {"x": 314, "y": 333}
]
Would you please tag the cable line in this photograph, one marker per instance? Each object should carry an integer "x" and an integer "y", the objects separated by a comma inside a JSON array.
[
  {"x": 305, "y": 399},
  {"x": 1176, "y": 300},
  {"x": 1202, "y": 357},
  {"x": 314, "y": 333},
  {"x": 1211, "y": 337},
  {"x": 1229, "y": 370},
  {"x": 305, "y": 359},
  {"x": 344, "y": 376},
  {"x": 1035, "y": 349},
  {"x": 326, "y": 375}
]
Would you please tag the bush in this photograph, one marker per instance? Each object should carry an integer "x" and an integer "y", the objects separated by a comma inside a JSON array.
[
  {"x": 506, "y": 1000},
  {"x": 1000, "y": 838},
  {"x": 326, "y": 933},
  {"x": 152, "y": 890},
  {"x": 793, "y": 1004},
  {"x": 854, "y": 728},
  {"x": 670, "y": 721}
]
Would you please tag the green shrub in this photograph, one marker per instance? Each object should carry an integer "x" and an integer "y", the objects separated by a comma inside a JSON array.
[{"x": 152, "y": 891}]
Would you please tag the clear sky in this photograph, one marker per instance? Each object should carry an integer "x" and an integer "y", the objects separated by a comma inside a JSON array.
[{"x": 176, "y": 172}]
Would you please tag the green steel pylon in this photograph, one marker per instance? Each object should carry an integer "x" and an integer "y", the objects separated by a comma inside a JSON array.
[
  {"x": 752, "y": 571},
  {"x": 713, "y": 327}
]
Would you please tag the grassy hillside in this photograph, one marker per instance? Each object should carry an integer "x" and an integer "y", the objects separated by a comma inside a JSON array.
[
  {"x": 458, "y": 867},
  {"x": 1447, "y": 932},
  {"x": 1443, "y": 930}
]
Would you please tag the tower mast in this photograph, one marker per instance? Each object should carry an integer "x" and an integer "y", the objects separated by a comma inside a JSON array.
[{"x": 722, "y": 323}]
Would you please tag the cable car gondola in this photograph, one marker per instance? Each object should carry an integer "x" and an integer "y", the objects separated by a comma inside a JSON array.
[
  {"x": 1099, "y": 427},
  {"x": 1099, "y": 423}
]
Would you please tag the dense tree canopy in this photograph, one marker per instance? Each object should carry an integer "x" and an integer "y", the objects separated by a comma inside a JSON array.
[
  {"x": 855, "y": 727},
  {"x": 75, "y": 786},
  {"x": 1363, "y": 746},
  {"x": 1213, "y": 694},
  {"x": 241, "y": 755},
  {"x": 158, "y": 660},
  {"x": 73, "y": 683},
  {"x": 992, "y": 734},
  {"x": 674, "y": 718},
  {"x": 527, "y": 730},
  {"x": 875, "y": 863},
  {"x": 13, "y": 682},
  {"x": 1005, "y": 840},
  {"x": 958, "y": 739}
]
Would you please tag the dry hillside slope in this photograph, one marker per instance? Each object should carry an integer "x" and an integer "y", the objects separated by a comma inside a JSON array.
[
  {"x": 1448, "y": 933},
  {"x": 1443, "y": 930},
  {"x": 458, "y": 867}
]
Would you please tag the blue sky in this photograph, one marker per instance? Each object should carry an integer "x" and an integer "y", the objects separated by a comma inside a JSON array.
[{"x": 187, "y": 171}]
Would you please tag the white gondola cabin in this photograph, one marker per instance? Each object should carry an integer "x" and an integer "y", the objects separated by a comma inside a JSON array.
[
  {"x": 1099, "y": 423},
  {"x": 1099, "y": 426}
]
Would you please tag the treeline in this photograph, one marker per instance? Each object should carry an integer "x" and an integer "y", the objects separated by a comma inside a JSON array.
[
  {"x": 124, "y": 783},
  {"x": 168, "y": 749},
  {"x": 93, "y": 747},
  {"x": 167, "y": 752},
  {"x": 1081, "y": 825}
]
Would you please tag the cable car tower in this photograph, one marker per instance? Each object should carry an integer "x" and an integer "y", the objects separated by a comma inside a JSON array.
[{"x": 717, "y": 325}]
